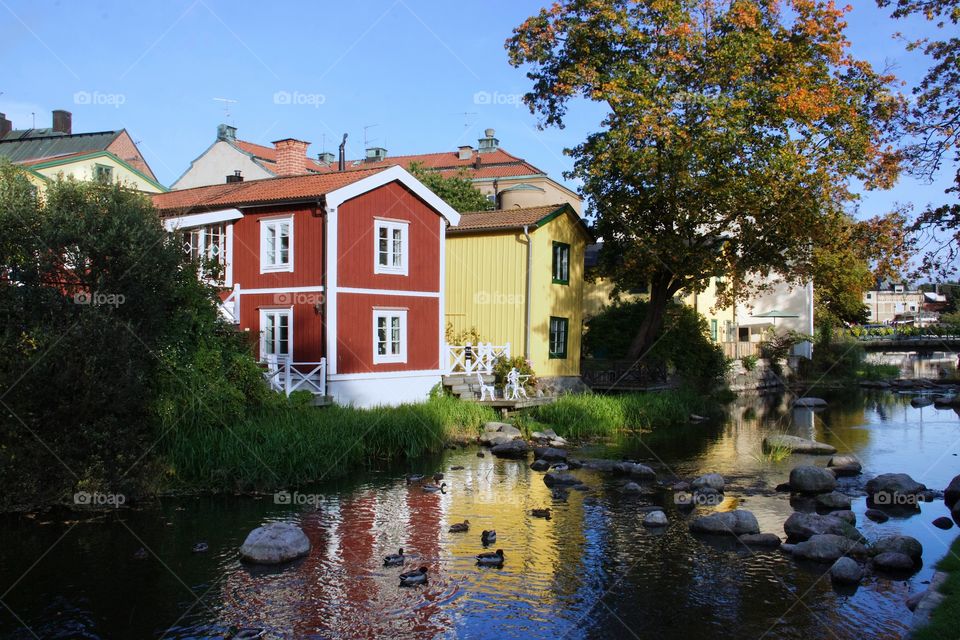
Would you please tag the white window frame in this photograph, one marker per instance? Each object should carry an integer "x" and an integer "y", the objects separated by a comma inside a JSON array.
[
  {"x": 388, "y": 314},
  {"x": 286, "y": 311},
  {"x": 266, "y": 223},
  {"x": 205, "y": 248},
  {"x": 392, "y": 225}
]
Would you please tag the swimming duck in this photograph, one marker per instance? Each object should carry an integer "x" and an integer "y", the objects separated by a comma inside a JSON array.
[
  {"x": 540, "y": 513},
  {"x": 480, "y": 454},
  {"x": 456, "y": 467},
  {"x": 437, "y": 477},
  {"x": 201, "y": 547},
  {"x": 414, "y": 477},
  {"x": 394, "y": 559},
  {"x": 491, "y": 559},
  {"x": 413, "y": 578},
  {"x": 433, "y": 488},
  {"x": 140, "y": 554},
  {"x": 488, "y": 537},
  {"x": 460, "y": 527}
]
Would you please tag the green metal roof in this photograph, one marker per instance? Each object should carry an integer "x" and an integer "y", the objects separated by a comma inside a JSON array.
[{"x": 31, "y": 144}]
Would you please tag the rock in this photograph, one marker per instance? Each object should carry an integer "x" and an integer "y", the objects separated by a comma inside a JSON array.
[
  {"x": 495, "y": 433},
  {"x": 943, "y": 522},
  {"x": 560, "y": 466},
  {"x": 847, "y": 516},
  {"x": 559, "y": 492},
  {"x": 845, "y": 465},
  {"x": 501, "y": 427},
  {"x": 802, "y": 526},
  {"x": 634, "y": 469},
  {"x": 828, "y": 547},
  {"x": 540, "y": 465},
  {"x": 795, "y": 444},
  {"x": 734, "y": 523},
  {"x": 893, "y": 561},
  {"x": 632, "y": 487},
  {"x": 809, "y": 402},
  {"x": 846, "y": 571},
  {"x": 921, "y": 401},
  {"x": 573, "y": 464},
  {"x": 915, "y": 599},
  {"x": 714, "y": 481},
  {"x": 707, "y": 497},
  {"x": 834, "y": 500},
  {"x": 655, "y": 519},
  {"x": 681, "y": 486},
  {"x": 894, "y": 486},
  {"x": 811, "y": 479},
  {"x": 275, "y": 543},
  {"x": 951, "y": 495},
  {"x": 783, "y": 487},
  {"x": 786, "y": 547},
  {"x": 771, "y": 540},
  {"x": 555, "y": 478},
  {"x": 550, "y": 454},
  {"x": 512, "y": 449},
  {"x": 905, "y": 545},
  {"x": 876, "y": 515}
]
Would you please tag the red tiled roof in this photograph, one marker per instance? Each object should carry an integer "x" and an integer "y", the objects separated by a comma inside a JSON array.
[
  {"x": 503, "y": 218},
  {"x": 282, "y": 189},
  {"x": 493, "y": 164}
]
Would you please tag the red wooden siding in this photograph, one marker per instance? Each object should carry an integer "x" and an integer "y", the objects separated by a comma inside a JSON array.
[
  {"x": 355, "y": 332},
  {"x": 357, "y": 240},
  {"x": 307, "y": 323},
  {"x": 308, "y": 264}
]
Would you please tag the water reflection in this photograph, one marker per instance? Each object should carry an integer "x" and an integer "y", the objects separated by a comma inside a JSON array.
[{"x": 590, "y": 571}]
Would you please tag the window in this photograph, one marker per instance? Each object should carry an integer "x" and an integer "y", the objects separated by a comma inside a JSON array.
[
  {"x": 391, "y": 249},
  {"x": 869, "y": 296},
  {"x": 276, "y": 333},
  {"x": 558, "y": 337},
  {"x": 208, "y": 244},
  {"x": 743, "y": 334},
  {"x": 102, "y": 173},
  {"x": 389, "y": 336},
  {"x": 714, "y": 330},
  {"x": 561, "y": 263},
  {"x": 276, "y": 244}
]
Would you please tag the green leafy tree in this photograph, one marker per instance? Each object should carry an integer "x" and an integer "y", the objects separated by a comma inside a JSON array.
[
  {"x": 733, "y": 130},
  {"x": 456, "y": 190},
  {"x": 933, "y": 125}
]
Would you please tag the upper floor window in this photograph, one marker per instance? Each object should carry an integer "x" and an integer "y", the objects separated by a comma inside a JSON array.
[
  {"x": 206, "y": 244},
  {"x": 389, "y": 335},
  {"x": 392, "y": 249},
  {"x": 276, "y": 244},
  {"x": 561, "y": 263},
  {"x": 102, "y": 173}
]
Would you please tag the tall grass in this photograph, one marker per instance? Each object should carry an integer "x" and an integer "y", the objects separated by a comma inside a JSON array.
[
  {"x": 288, "y": 445},
  {"x": 584, "y": 416}
]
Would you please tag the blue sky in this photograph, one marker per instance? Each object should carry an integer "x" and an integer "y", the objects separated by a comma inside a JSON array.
[{"x": 422, "y": 76}]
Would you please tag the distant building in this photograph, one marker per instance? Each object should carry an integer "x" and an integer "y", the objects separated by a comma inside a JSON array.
[
  {"x": 889, "y": 300},
  {"x": 51, "y": 152}
]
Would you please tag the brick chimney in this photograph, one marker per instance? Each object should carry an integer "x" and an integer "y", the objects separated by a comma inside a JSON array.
[
  {"x": 62, "y": 121},
  {"x": 5, "y": 125},
  {"x": 291, "y": 156}
]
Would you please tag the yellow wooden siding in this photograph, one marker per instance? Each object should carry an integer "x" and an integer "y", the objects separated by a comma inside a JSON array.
[{"x": 83, "y": 170}]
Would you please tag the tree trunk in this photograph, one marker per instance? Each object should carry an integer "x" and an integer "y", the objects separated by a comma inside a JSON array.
[{"x": 652, "y": 323}]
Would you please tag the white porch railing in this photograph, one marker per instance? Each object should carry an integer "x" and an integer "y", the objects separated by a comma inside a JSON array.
[
  {"x": 230, "y": 307},
  {"x": 471, "y": 358},
  {"x": 287, "y": 377}
]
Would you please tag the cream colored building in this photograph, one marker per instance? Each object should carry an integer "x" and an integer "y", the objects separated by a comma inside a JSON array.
[{"x": 889, "y": 300}]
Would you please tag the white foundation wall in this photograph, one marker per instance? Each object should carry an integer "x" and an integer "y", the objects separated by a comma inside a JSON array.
[{"x": 362, "y": 391}]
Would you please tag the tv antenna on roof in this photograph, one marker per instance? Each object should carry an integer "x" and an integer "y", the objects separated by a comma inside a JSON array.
[
  {"x": 366, "y": 140},
  {"x": 466, "y": 118},
  {"x": 226, "y": 106}
]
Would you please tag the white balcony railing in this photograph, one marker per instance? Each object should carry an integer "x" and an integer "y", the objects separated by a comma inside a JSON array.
[
  {"x": 472, "y": 358},
  {"x": 230, "y": 307},
  {"x": 287, "y": 377}
]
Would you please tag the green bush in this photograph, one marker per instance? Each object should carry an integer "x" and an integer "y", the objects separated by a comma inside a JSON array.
[
  {"x": 684, "y": 344},
  {"x": 749, "y": 362},
  {"x": 502, "y": 366}
]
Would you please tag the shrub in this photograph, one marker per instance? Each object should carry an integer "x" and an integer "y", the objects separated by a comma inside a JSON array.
[
  {"x": 502, "y": 366},
  {"x": 749, "y": 362}
]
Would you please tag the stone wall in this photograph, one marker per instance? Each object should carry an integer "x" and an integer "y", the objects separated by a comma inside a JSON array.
[{"x": 762, "y": 376}]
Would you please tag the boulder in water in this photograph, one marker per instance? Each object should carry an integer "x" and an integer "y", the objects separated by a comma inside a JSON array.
[
  {"x": 275, "y": 543},
  {"x": 734, "y": 523},
  {"x": 796, "y": 444},
  {"x": 811, "y": 479},
  {"x": 846, "y": 571}
]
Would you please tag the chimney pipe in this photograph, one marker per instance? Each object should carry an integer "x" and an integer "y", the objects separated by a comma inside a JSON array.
[
  {"x": 291, "y": 156},
  {"x": 62, "y": 121},
  {"x": 5, "y": 125},
  {"x": 342, "y": 163},
  {"x": 236, "y": 177}
]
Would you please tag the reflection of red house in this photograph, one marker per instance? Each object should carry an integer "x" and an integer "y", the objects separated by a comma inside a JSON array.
[{"x": 345, "y": 266}]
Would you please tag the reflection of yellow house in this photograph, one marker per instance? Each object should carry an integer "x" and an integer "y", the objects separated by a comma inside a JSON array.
[
  {"x": 517, "y": 276},
  {"x": 98, "y": 165}
]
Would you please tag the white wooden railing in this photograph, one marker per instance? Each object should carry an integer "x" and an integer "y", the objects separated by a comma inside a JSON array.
[
  {"x": 287, "y": 377},
  {"x": 471, "y": 358},
  {"x": 230, "y": 307}
]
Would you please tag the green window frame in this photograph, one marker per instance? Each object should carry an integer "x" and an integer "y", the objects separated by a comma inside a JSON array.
[
  {"x": 714, "y": 330},
  {"x": 561, "y": 263},
  {"x": 559, "y": 333},
  {"x": 103, "y": 173}
]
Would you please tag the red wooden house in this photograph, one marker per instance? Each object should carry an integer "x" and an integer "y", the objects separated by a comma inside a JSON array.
[{"x": 340, "y": 275}]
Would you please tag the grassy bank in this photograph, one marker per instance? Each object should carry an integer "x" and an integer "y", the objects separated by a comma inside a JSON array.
[
  {"x": 945, "y": 619},
  {"x": 289, "y": 445},
  {"x": 597, "y": 416}
]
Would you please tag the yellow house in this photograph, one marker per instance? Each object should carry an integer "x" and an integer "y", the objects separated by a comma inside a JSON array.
[
  {"x": 516, "y": 276},
  {"x": 97, "y": 165}
]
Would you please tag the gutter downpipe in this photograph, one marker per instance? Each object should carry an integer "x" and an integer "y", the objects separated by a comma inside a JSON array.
[{"x": 526, "y": 301}]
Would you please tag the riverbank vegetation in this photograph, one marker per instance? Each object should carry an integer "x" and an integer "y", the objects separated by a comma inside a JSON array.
[
  {"x": 841, "y": 358},
  {"x": 945, "y": 619}
]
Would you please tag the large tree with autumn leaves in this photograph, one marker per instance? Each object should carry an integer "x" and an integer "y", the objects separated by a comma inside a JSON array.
[{"x": 734, "y": 130}]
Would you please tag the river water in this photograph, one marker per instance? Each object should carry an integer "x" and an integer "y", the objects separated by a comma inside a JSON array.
[{"x": 591, "y": 571}]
